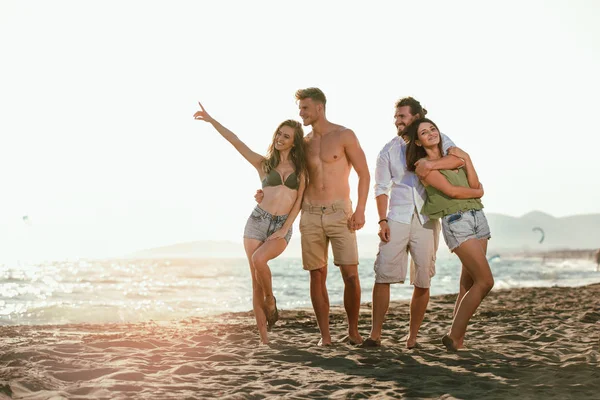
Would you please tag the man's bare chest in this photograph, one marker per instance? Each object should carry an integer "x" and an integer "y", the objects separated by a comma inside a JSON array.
[{"x": 325, "y": 151}]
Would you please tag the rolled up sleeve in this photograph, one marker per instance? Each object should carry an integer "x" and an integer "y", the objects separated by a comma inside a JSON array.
[
  {"x": 383, "y": 175},
  {"x": 447, "y": 143}
]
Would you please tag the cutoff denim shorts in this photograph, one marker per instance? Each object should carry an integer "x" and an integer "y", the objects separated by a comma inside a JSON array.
[
  {"x": 464, "y": 225},
  {"x": 262, "y": 224}
]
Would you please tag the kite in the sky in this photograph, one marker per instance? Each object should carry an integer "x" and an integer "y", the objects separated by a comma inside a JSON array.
[{"x": 541, "y": 231}]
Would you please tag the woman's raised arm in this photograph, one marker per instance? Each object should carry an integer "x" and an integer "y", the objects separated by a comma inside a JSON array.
[{"x": 253, "y": 158}]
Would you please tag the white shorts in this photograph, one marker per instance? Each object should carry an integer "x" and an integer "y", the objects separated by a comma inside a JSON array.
[{"x": 420, "y": 240}]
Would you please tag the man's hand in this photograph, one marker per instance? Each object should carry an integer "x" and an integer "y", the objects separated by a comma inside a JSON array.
[
  {"x": 458, "y": 152},
  {"x": 384, "y": 231},
  {"x": 259, "y": 196},
  {"x": 424, "y": 167},
  {"x": 357, "y": 220}
]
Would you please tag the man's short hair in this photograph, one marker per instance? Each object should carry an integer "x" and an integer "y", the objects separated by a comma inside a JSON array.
[
  {"x": 415, "y": 106},
  {"x": 311, "y": 93}
]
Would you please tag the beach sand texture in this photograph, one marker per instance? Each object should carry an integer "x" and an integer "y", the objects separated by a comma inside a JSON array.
[{"x": 522, "y": 343}]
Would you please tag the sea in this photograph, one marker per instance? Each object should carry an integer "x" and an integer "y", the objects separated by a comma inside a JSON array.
[{"x": 129, "y": 291}]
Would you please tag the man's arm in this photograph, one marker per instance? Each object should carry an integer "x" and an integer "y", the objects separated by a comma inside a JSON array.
[
  {"x": 469, "y": 168},
  {"x": 449, "y": 161},
  {"x": 424, "y": 167},
  {"x": 383, "y": 180},
  {"x": 439, "y": 181},
  {"x": 357, "y": 159},
  {"x": 382, "y": 207}
]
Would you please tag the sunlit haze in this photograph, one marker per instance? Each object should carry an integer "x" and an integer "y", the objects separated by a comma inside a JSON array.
[{"x": 101, "y": 153}]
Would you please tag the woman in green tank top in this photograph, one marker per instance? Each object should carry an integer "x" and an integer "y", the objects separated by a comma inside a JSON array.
[{"x": 453, "y": 196}]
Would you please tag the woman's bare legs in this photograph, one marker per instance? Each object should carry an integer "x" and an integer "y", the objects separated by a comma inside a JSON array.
[
  {"x": 262, "y": 273},
  {"x": 473, "y": 258},
  {"x": 465, "y": 280},
  {"x": 464, "y": 285},
  {"x": 258, "y": 296}
]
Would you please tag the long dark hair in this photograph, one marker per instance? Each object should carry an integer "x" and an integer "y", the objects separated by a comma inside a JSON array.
[
  {"x": 415, "y": 152},
  {"x": 297, "y": 153}
]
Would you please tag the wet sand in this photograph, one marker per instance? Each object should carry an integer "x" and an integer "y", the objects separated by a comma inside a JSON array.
[{"x": 522, "y": 343}]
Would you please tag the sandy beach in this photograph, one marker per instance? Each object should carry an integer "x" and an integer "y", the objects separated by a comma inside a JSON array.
[{"x": 522, "y": 343}]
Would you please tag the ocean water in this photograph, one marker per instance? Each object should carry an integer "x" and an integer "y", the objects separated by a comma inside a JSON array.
[{"x": 161, "y": 290}]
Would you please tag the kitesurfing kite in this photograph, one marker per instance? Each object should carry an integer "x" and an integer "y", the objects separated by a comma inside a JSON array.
[{"x": 537, "y": 228}]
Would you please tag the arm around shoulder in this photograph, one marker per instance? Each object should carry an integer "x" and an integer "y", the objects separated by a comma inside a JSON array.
[{"x": 439, "y": 181}]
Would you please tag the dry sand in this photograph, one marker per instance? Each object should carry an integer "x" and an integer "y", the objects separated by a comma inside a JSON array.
[{"x": 523, "y": 343}]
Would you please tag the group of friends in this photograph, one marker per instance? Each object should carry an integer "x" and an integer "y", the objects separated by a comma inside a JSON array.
[{"x": 421, "y": 178}]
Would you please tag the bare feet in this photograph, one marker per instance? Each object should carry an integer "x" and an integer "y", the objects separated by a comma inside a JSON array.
[
  {"x": 415, "y": 345},
  {"x": 354, "y": 341},
  {"x": 323, "y": 343},
  {"x": 411, "y": 343},
  {"x": 271, "y": 311},
  {"x": 371, "y": 343},
  {"x": 264, "y": 337},
  {"x": 353, "y": 336},
  {"x": 449, "y": 343}
]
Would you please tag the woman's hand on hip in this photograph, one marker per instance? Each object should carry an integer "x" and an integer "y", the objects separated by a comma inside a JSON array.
[{"x": 278, "y": 234}]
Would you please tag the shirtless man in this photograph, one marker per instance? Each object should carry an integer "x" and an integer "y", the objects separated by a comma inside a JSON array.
[{"x": 327, "y": 216}]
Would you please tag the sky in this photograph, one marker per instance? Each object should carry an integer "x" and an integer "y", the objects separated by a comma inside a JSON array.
[{"x": 101, "y": 153}]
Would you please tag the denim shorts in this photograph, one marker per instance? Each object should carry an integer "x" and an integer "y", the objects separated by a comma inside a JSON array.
[
  {"x": 262, "y": 224},
  {"x": 464, "y": 225}
]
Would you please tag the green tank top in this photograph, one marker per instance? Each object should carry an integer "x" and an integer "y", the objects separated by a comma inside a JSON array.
[{"x": 439, "y": 205}]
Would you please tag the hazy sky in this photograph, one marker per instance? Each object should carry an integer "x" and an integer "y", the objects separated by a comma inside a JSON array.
[{"x": 100, "y": 150}]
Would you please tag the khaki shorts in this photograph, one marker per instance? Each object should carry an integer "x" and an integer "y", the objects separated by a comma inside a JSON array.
[
  {"x": 421, "y": 241},
  {"x": 324, "y": 223}
]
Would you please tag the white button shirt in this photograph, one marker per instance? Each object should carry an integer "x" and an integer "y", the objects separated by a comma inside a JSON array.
[{"x": 391, "y": 174}]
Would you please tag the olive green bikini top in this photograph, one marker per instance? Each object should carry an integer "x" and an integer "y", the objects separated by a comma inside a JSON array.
[{"x": 273, "y": 178}]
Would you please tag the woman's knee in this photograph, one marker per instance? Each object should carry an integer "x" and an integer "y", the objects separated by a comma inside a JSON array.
[
  {"x": 465, "y": 286},
  {"x": 259, "y": 260},
  {"x": 487, "y": 284}
]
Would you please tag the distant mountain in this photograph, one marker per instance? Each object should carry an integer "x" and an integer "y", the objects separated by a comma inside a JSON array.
[
  {"x": 509, "y": 234},
  {"x": 198, "y": 249},
  {"x": 573, "y": 232}
]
